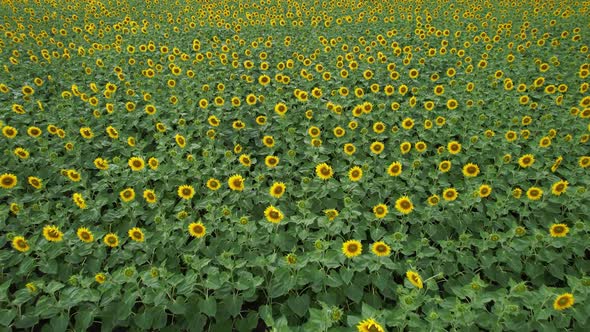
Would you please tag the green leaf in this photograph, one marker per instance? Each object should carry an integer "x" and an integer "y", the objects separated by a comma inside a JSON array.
[
  {"x": 84, "y": 319},
  {"x": 6, "y": 316},
  {"x": 299, "y": 304},
  {"x": 208, "y": 306},
  {"x": 59, "y": 323}
]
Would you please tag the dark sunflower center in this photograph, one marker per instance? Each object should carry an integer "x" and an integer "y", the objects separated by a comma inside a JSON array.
[
  {"x": 137, "y": 235},
  {"x": 353, "y": 247},
  {"x": 237, "y": 183},
  {"x": 563, "y": 301},
  {"x": 450, "y": 194},
  {"x": 484, "y": 191},
  {"x": 405, "y": 204},
  {"x": 272, "y": 161},
  {"x": 186, "y": 191},
  {"x": 7, "y": 181},
  {"x": 377, "y": 147},
  {"x": 278, "y": 190},
  {"x": 559, "y": 187},
  {"x": 274, "y": 214},
  {"x": 112, "y": 240},
  {"x": 325, "y": 171},
  {"x": 355, "y": 174},
  {"x": 137, "y": 163},
  {"x": 21, "y": 243},
  {"x": 53, "y": 233},
  {"x": 380, "y": 210},
  {"x": 381, "y": 248},
  {"x": 470, "y": 169},
  {"x": 127, "y": 194},
  {"x": 558, "y": 229}
]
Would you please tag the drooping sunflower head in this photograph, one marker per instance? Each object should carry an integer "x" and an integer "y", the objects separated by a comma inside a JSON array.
[{"x": 414, "y": 279}]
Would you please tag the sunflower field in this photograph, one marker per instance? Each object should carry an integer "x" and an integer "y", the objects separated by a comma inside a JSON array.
[{"x": 290, "y": 165}]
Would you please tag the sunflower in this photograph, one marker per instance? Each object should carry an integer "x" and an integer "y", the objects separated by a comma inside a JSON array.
[
  {"x": 180, "y": 140},
  {"x": 444, "y": 166},
  {"x": 556, "y": 164},
  {"x": 238, "y": 125},
  {"x": 9, "y": 132},
  {"x": 111, "y": 240},
  {"x": 213, "y": 184},
  {"x": 136, "y": 163},
  {"x": 511, "y": 136},
  {"x": 34, "y": 131},
  {"x": 349, "y": 149},
  {"x": 112, "y": 132},
  {"x": 186, "y": 192},
  {"x": 52, "y": 233},
  {"x": 377, "y": 147},
  {"x": 127, "y": 195},
  {"x": 559, "y": 187},
  {"x": 405, "y": 147},
  {"x": 355, "y": 174},
  {"x": 8, "y": 180},
  {"x": 85, "y": 235},
  {"x": 273, "y": 214},
  {"x": 454, "y": 147},
  {"x": 534, "y": 193},
  {"x": 197, "y": 229},
  {"x": 100, "y": 278},
  {"x": 268, "y": 141},
  {"x": 271, "y": 161},
  {"x": 35, "y": 182},
  {"x": 545, "y": 142},
  {"x": 153, "y": 163},
  {"x": 564, "y": 301},
  {"x": 339, "y": 132},
  {"x": 559, "y": 230},
  {"x": 21, "y": 153},
  {"x": 150, "y": 196},
  {"x": 584, "y": 161},
  {"x": 380, "y": 211},
  {"x": 395, "y": 168},
  {"x": 236, "y": 182},
  {"x": 408, "y": 123},
  {"x": 369, "y": 325},
  {"x": 79, "y": 200},
  {"x": 280, "y": 109},
  {"x": 331, "y": 214},
  {"x": 526, "y": 161},
  {"x": 414, "y": 279},
  {"x": 352, "y": 248},
  {"x": 404, "y": 205},
  {"x": 433, "y": 200},
  {"x": 381, "y": 249},
  {"x": 450, "y": 194},
  {"x": 101, "y": 164},
  {"x": 20, "y": 243},
  {"x": 86, "y": 132},
  {"x": 420, "y": 146},
  {"x": 484, "y": 190},
  {"x": 324, "y": 171},
  {"x": 277, "y": 189},
  {"x": 470, "y": 170},
  {"x": 136, "y": 234},
  {"x": 314, "y": 131},
  {"x": 74, "y": 175}
]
